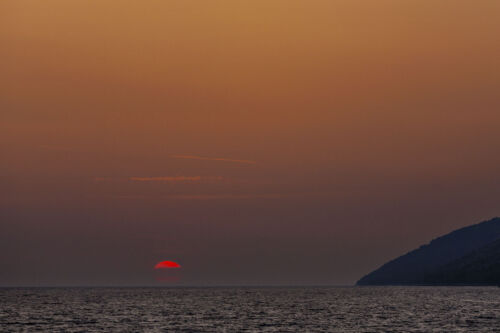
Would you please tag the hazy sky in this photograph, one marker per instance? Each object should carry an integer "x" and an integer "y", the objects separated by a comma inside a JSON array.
[{"x": 253, "y": 142}]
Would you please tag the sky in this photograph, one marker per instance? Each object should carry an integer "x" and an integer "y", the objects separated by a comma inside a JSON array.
[{"x": 254, "y": 142}]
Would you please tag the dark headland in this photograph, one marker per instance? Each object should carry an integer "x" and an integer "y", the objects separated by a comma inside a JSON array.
[{"x": 467, "y": 256}]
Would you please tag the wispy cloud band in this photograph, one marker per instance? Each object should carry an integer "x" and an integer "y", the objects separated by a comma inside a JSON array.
[
  {"x": 164, "y": 179},
  {"x": 221, "y": 159},
  {"x": 167, "y": 179},
  {"x": 226, "y": 196}
]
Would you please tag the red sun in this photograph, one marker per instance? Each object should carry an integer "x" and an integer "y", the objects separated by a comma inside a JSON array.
[{"x": 167, "y": 264}]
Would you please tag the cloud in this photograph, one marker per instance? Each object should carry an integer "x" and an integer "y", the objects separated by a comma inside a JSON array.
[
  {"x": 168, "y": 179},
  {"x": 100, "y": 179},
  {"x": 222, "y": 196},
  {"x": 194, "y": 157},
  {"x": 239, "y": 196},
  {"x": 164, "y": 179},
  {"x": 225, "y": 196}
]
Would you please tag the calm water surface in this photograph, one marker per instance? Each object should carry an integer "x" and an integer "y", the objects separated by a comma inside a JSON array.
[{"x": 365, "y": 309}]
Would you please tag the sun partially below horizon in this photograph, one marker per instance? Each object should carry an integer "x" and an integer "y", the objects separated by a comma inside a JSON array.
[{"x": 167, "y": 264}]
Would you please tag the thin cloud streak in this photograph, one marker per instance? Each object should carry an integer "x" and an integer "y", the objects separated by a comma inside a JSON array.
[
  {"x": 224, "y": 196},
  {"x": 164, "y": 179},
  {"x": 227, "y": 196},
  {"x": 194, "y": 157},
  {"x": 167, "y": 179}
]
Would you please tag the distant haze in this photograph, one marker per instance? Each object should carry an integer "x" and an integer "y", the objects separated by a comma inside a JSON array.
[{"x": 252, "y": 142}]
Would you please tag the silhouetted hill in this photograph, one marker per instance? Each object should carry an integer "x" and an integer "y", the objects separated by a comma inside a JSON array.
[
  {"x": 464, "y": 256},
  {"x": 481, "y": 267}
]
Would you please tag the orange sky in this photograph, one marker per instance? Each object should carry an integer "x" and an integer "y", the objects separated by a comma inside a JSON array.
[{"x": 338, "y": 132}]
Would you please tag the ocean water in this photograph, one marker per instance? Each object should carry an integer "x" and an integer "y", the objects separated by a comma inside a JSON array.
[{"x": 356, "y": 309}]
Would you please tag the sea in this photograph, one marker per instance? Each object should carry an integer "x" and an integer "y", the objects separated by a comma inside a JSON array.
[{"x": 249, "y": 309}]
